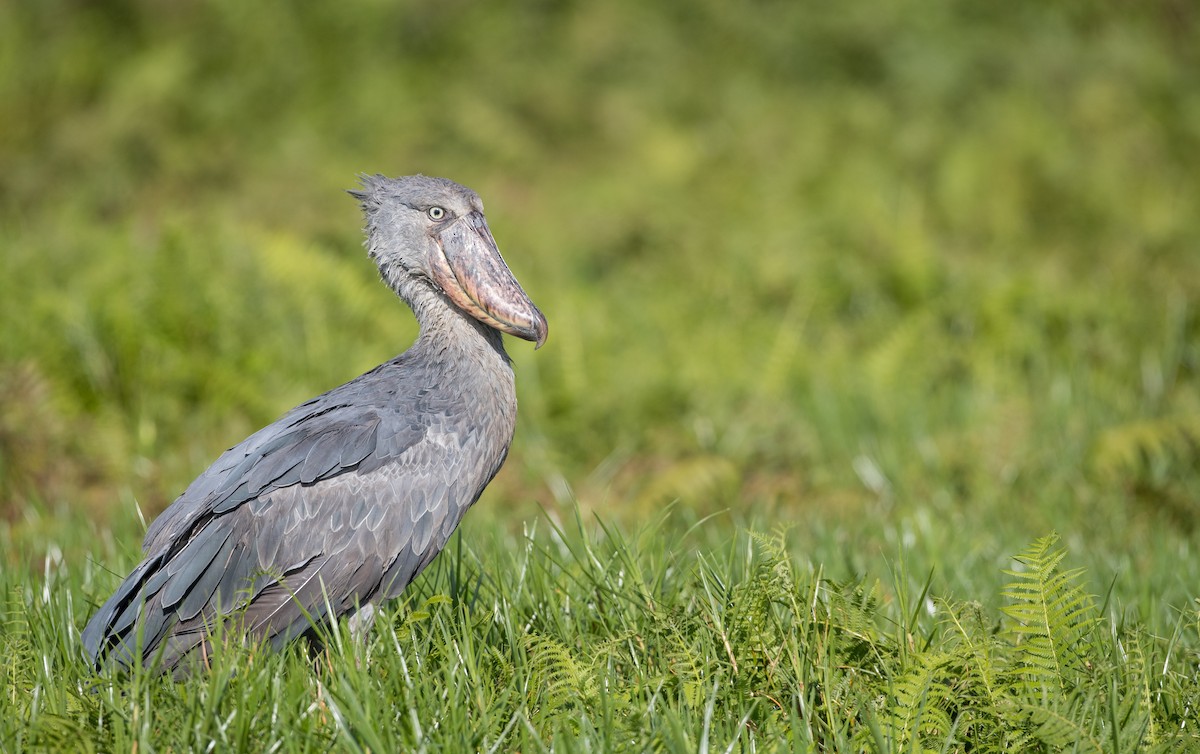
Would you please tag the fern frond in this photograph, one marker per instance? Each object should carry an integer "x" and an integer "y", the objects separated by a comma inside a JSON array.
[
  {"x": 1051, "y": 619},
  {"x": 985, "y": 701},
  {"x": 1127, "y": 448},
  {"x": 920, "y": 700},
  {"x": 1136, "y": 671},
  {"x": 687, "y": 665},
  {"x": 852, "y": 609},
  {"x": 557, "y": 679},
  {"x": 760, "y": 610},
  {"x": 1059, "y": 728}
]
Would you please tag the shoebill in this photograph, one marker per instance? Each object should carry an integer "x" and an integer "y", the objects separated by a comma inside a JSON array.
[{"x": 340, "y": 504}]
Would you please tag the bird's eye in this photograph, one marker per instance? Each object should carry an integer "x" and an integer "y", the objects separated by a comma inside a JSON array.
[{"x": 435, "y": 213}]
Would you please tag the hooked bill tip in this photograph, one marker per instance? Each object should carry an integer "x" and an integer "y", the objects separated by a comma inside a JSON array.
[{"x": 541, "y": 330}]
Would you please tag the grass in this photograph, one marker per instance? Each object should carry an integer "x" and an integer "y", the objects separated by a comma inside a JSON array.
[
  {"x": 847, "y": 310},
  {"x": 577, "y": 637}
]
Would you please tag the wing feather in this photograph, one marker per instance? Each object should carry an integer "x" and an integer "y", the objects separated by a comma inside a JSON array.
[
  {"x": 318, "y": 440},
  {"x": 203, "y": 591},
  {"x": 191, "y": 563}
]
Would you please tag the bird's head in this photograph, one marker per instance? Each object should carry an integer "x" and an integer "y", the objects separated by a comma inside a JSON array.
[{"x": 431, "y": 231}]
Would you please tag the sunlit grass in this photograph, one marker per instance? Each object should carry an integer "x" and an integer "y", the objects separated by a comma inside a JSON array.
[{"x": 575, "y": 635}]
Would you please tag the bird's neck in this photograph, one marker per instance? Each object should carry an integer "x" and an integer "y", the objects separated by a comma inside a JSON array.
[
  {"x": 450, "y": 335},
  {"x": 466, "y": 357}
]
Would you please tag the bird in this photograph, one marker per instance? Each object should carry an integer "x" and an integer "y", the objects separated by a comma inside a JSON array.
[{"x": 338, "y": 505}]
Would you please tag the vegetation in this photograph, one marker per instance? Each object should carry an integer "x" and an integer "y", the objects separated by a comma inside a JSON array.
[{"x": 848, "y": 307}]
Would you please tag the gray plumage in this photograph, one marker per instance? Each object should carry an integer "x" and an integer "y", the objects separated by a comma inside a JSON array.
[{"x": 345, "y": 499}]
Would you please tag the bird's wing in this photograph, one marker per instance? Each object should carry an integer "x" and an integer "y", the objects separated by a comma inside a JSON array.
[
  {"x": 282, "y": 549},
  {"x": 317, "y": 440}
]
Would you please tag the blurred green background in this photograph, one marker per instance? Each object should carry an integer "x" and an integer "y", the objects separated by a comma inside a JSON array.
[{"x": 919, "y": 278}]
